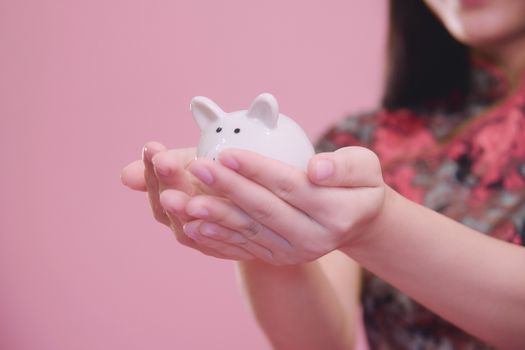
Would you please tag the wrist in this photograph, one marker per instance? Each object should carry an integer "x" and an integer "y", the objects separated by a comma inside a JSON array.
[{"x": 373, "y": 229}]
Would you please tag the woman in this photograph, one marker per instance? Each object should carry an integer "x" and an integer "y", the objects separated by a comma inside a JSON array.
[{"x": 451, "y": 137}]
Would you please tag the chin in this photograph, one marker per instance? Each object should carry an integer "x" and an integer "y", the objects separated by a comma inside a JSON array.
[
  {"x": 486, "y": 38},
  {"x": 481, "y": 22}
]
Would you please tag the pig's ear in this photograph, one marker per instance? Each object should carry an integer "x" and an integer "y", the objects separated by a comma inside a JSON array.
[
  {"x": 205, "y": 111},
  {"x": 266, "y": 109}
]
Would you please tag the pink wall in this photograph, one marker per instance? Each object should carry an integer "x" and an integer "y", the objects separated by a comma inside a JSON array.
[{"x": 83, "y": 84}]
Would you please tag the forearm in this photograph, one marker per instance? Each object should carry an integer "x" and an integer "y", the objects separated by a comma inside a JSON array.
[
  {"x": 296, "y": 306},
  {"x": 474, "y": 281}
]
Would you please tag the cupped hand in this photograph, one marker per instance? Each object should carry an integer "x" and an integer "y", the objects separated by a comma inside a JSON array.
[
  {"x": 162, "y": 174},
  {"x": 293, "y": 216}
]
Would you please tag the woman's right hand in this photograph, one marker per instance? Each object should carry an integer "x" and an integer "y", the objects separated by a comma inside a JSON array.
[{"x": 162, "y": 174}]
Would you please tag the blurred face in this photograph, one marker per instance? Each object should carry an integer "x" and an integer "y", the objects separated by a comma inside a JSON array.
[{"x": 482, "y": 23}]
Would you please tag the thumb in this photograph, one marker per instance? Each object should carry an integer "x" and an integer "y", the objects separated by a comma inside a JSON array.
[{"x": 346, "y": 167}]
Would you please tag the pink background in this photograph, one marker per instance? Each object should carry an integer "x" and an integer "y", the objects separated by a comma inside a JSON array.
[{"x": 83, "y": 85}]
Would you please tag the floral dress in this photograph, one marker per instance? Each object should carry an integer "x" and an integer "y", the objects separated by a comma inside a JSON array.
[{"x": 468, "y": 165}]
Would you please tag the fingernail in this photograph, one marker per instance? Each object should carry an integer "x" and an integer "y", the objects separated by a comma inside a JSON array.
[
  {"x": 147, "y": 154},
  {"x": 229, "y": 161},
  {"x": 144, "y": 150},
  {"x": 190, "y": 229},
  {"x": 198, "y": 212},
  {"x": 324, "y": 169},
  {"x": 208, "y": 230},
  {"x": 202, "y": 173}
]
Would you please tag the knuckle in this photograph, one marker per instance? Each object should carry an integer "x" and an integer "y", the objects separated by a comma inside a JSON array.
[
  {"x": 253, "y": 228},
  {"x": 287, "y": 185},
  {"x": 372, "y": 159},
  {"x": 340, "y": 223},
  {"x": 341, "y": 226},
  {"x": 372, "y": 155},
  {"x": 262, "y": 213}
]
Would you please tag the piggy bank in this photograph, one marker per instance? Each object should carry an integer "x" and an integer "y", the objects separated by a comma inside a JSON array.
[{"x": 260, "y": 129}]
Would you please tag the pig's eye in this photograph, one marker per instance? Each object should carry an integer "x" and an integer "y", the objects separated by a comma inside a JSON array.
[
  {"x": 219, "y": 129},
  {"x": 237, "y": 130}
]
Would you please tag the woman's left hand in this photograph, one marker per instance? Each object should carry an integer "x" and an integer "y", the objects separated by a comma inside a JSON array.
[{"x": 297, "y": 216}]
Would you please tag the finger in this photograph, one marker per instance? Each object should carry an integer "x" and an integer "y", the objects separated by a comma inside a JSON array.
[
  {"x": 257, "y": 201},
  {"x": 209, "y": 244},
  {"x": 169, "y": 166},
  {"x": 174, "y": 203},
  {"x": 291, "y": 184},
  {"x": 284, "y": 181},
  {"x": 224, "y": 213},
  {"x": 332, "y": 208},
  {"x": 223, "y": 234},
  {"x": 132, "y": 176},
  {"x": 185, "y": 240},
  {"x": 149, "y": 151},
  {"x": 346, "y": 167},
  {"x": 182, "y": 238}
]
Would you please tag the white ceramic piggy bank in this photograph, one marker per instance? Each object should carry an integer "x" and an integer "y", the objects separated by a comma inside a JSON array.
[{"x": 260, "y": 129}]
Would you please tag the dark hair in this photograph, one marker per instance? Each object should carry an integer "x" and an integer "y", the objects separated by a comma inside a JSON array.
[{"x": 424, "y": 62}]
